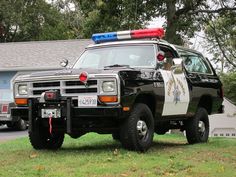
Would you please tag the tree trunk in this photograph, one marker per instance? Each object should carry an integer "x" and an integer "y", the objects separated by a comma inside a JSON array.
[{"x": 172, "y": 23}]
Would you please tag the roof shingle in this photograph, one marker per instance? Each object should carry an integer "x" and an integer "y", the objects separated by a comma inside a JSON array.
[{"x": 40, "y": 54}]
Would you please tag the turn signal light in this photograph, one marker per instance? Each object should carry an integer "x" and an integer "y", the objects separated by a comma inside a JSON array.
[
  {"x": 21, "y": 101},
  {"x": 126, "y": 108},
  {"x": 108, "y": 99}
]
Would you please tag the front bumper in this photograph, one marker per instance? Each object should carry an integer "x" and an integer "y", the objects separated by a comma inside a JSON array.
[
  {"x": 73, "y": 118},
  {"x": 105, "y": 112}
]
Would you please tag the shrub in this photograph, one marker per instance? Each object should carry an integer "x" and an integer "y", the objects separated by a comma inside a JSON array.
[{"x": 229, "y": 85}]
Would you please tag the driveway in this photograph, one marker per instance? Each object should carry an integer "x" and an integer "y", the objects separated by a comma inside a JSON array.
[{"x": 9, "y": 134}]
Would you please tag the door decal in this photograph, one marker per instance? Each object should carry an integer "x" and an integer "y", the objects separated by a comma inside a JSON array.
[{"x": 176, "y": 93}]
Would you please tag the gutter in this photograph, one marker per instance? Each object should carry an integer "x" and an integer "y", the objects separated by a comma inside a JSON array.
[{"x": 30, "y": 69}]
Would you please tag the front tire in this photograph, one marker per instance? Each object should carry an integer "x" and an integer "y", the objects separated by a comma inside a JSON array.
[
  {"x": 197, "y": 128},
  {"x": 40, "y": 138},
  {"x": 137, "y": 131}
]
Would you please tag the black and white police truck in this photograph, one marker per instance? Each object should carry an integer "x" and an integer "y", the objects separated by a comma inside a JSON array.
[{"x": 130, "y": 84}]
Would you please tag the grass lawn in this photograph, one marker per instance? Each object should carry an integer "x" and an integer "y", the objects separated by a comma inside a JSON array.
[{"x": 100, "y": 155}]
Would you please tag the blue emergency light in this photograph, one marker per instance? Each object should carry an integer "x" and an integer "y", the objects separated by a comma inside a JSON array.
[{"x": 131, "y": 34}]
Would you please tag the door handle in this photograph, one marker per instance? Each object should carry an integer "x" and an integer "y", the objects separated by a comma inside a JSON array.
[{"x": 192, "y": 76}]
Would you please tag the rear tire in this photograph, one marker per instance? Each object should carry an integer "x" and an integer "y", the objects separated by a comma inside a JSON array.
[
  {"x": 137, "y": 131},
  {"x": 40, "y": 138},
  {"x": 197, "y": 128}
]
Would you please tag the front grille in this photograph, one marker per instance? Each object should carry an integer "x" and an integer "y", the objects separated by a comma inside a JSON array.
[
  {"x": 65, "y": 87},
  {"x": 85, "y": 90},
  {"x": 73, "y": 83},
  {"x": 46, "y": 84},
  {"x": 38, "y": 92}
]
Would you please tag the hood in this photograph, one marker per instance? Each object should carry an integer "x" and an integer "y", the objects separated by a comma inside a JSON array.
[{"x": 59, "y": 74}]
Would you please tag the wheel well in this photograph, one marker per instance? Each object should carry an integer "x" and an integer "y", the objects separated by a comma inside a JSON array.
[
  {"x": 206, "y": 102},
  {"x": 149, "y": 100}
]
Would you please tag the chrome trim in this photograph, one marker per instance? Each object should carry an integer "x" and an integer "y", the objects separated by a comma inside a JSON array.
[{"x": 62, "y": 80}]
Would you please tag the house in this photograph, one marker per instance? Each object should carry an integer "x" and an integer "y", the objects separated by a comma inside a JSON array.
[
  {"x": 26, "y": 57},
  {"x": 224, "y": 125}
]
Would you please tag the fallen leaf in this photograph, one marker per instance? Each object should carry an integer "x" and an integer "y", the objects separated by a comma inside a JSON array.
[
  {"x": 33, "y": 155},
  {"x": 39, "y": 168},
  {"x": 115, "y": 152}
]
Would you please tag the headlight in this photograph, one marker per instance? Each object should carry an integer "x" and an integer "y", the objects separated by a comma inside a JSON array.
[
  {"x": 22, "y": 89},
  {"x": 108, "y": 86}
]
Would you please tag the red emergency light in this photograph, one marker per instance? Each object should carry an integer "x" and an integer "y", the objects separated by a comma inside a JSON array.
[{"x": 83, "y": 77}]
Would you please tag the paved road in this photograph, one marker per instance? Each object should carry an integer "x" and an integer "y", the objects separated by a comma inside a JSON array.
[{"x": 9, "y": 134}]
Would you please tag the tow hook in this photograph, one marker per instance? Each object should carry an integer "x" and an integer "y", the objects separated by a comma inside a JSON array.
[{"x": 50, "y": 123}]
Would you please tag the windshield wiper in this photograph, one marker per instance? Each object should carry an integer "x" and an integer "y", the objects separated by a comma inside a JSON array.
[{"x": 116, "y": 65}]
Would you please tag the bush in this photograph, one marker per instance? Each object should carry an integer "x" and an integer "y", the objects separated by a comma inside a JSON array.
[{"x": 229, "y": 85}]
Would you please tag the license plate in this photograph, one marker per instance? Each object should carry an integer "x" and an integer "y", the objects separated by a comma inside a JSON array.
[
  {"x": 55, "y": 113},
  {"x": 87, "y": 101}
]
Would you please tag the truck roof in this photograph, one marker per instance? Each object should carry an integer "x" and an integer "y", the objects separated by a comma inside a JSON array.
[{"x": 130, "y": 42}]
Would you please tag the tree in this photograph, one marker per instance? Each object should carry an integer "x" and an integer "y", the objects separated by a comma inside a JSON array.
[
  {"x": 23, "y": 20},
  {"x": 55, "y": 19},
  {"x": 184, "y": 17},
  {"x": 229, "y": 83},
  {"x": 220, "y": 33},
  {"x": 105, "y": 15}
]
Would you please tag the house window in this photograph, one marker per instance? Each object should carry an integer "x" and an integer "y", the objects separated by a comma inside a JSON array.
[
  {"x": 221, "y": 134},
  {"x": 227, "y": 134},
  {"x": 215, "y": 134},
  {"x": 233, "y": 134}
]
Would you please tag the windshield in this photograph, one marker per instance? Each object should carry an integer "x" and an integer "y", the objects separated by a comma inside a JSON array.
[{"x": 129, "y": 55}]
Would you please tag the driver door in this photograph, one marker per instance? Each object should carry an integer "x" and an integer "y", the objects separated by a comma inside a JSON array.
[
  {"x": 176, "y": 93},
  {"x": 176, "y": 98}
]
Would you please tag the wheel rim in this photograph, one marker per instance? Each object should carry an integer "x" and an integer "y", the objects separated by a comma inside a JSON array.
[
  {"x": 142, "y": 129},
  {"x": 201, "y": 128}
]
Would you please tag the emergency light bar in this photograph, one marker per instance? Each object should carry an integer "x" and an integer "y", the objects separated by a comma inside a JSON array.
[{"x": 131, "y": 34}]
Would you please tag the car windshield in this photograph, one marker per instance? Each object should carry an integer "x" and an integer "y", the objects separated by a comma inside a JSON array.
[{"x": 118, "y": 56}]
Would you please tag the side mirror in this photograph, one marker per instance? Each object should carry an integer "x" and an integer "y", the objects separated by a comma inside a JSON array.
[
  {"x": 160, "y": 56},
  {"x": 177, "y": 67},
  {"x": 177, "y": 61},
  {"x": 64, "y": 63}
]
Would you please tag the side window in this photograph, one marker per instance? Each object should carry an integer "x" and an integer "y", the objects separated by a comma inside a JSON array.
[
  {"x": 169, "y": 55},
  {"x": 196, "y": 64}
]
